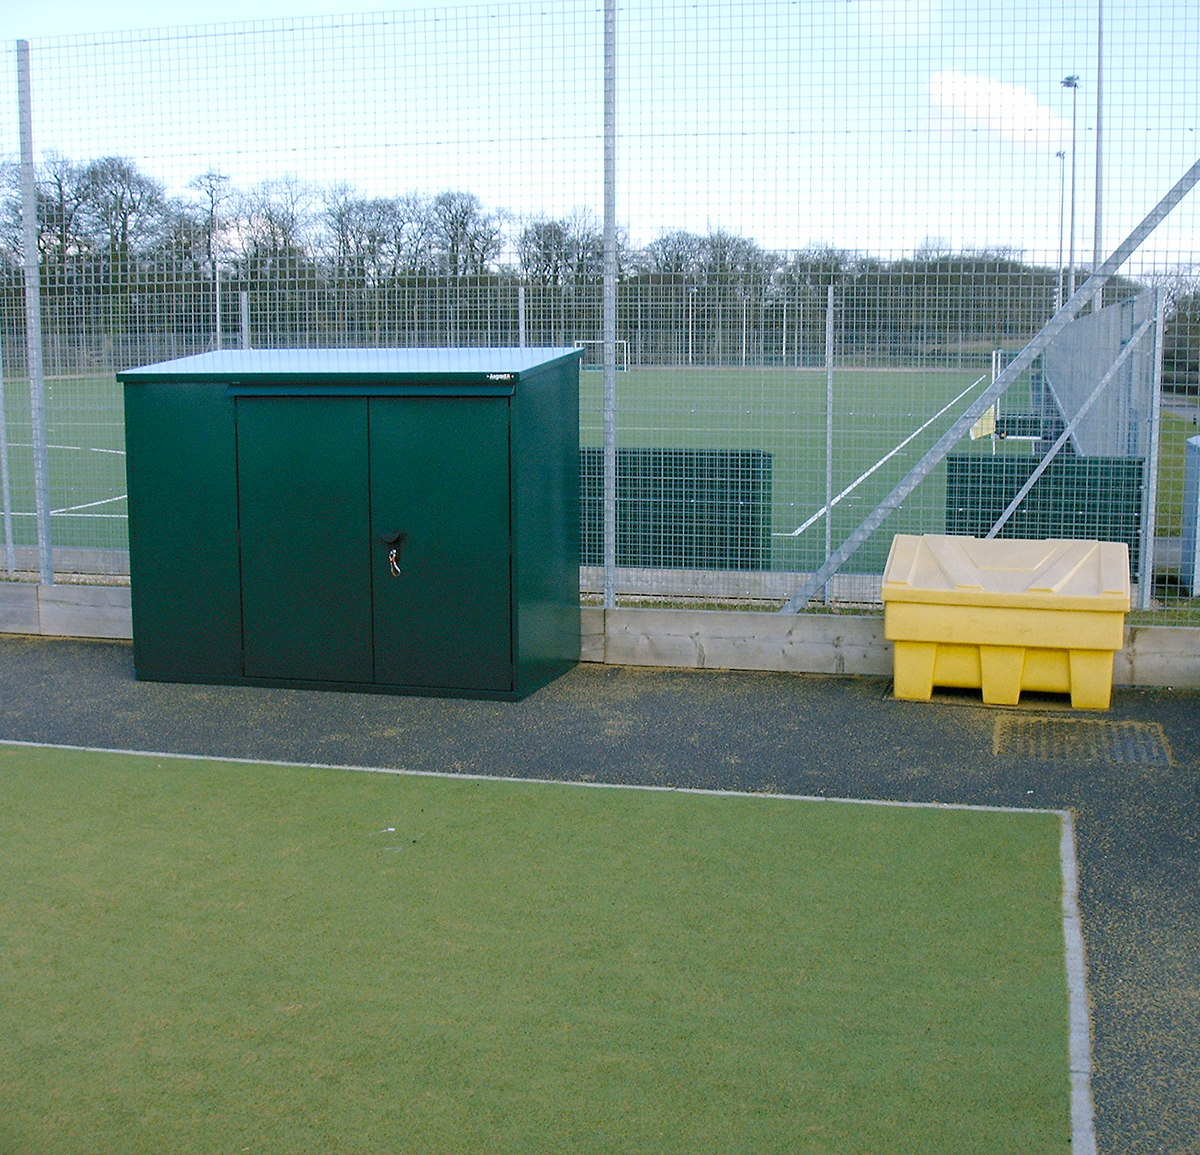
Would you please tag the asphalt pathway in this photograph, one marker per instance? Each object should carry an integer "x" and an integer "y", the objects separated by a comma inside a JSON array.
[{"x": 1131, "y": 776}]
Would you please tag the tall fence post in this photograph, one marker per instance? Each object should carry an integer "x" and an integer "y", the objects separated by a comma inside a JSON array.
[
  {"x": 33, "y": 317},
  {"x": 10, "y": 552},
  {"x": 1150, "y": 500},
  {"x": 610, "y": 303},
  {"x": 828, "y": 429},
  {"x": 218, "y": 340}
]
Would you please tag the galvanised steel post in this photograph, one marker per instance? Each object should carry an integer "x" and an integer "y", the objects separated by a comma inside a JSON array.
[
  {"x": 1150, "y": 502},
  {"x": 33, "y": 317},
  {"x": 10, "y": 553},
  {"x": 610, "y": 303},
  {"x": 828, "y": 428}
]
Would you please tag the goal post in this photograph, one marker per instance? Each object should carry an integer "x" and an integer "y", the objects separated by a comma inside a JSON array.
[{"x": 593, "y": 355}]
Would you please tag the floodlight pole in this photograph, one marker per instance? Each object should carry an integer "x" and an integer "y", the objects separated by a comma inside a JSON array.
[
  {"x": 1062, "y": 192},
  {"x": 1072, "y": 82},
  {"x": 1096, "y": 243}
]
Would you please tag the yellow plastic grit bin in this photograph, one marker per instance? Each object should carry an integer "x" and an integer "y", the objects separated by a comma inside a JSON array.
[{"x": 1005, "y": 616}]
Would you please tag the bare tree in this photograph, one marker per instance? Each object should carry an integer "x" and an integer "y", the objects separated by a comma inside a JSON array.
[
  {"x": 124, "y": 204},
  {"x": 215, "y": 193},
  {"x": 275, "y": 223},
  {"x": 124, "y": 210},
  {"x": 275, "y": 220},
  {"x": 677, "y": 253},
  {"x": 360, "y": 234},
  {"x": 412, "y": 245},
  {"x": 468, "y": 237},
  {"x": 562, "y": 252}
]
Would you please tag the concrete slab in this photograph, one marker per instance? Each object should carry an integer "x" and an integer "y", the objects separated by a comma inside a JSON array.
[
  {"x": 830, "y": 643},
  {"x": 85, "y": 611},
  {"x": 19, "y": 608}
]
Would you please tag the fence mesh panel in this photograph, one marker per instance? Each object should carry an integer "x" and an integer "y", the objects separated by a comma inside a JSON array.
[{"x": 835, "y": 222}]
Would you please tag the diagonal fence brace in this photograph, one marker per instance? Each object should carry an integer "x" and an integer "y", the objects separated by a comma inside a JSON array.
[
  {"x": 1052, "y": 452},
  {"x": 1073, "y": 306}
]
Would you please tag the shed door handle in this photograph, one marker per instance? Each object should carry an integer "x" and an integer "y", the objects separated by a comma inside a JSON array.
[{"x": 393, "y": 541}]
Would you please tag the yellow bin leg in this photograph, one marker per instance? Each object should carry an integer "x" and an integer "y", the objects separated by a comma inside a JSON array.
[
  {"x": 1001, "y": 669},
  {"x": 912, "y": 673},
  {"x": 1091, "y": 679}
]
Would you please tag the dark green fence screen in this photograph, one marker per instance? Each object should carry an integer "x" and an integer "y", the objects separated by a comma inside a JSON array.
[
  {"x": 681, "y": 508},
  {"x": 1087, "y": 498}
]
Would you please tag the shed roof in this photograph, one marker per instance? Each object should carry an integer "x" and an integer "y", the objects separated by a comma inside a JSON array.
[{"x": 332, "y": 366}]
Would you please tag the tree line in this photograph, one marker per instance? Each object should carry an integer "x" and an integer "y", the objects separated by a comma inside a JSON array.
[{"x": 129, "y": 272}]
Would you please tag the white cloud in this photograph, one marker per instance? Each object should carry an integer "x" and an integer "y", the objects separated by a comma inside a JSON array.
[{"x": 979, "y": 102}]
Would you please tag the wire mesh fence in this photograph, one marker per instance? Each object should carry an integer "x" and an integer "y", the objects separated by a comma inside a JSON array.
[{"x": 835, "y": 225}]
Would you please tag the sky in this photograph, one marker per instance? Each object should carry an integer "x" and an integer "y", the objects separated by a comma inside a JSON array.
[
  {"x": 78, "y": 17},
  {"x": 875, "y": 125}
]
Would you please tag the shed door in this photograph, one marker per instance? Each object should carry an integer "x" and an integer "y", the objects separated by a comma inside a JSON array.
[
  {"x": 440, "y": 477},
  {"x": 322, "y": 482},
  {"x": 302, "y": 509}
]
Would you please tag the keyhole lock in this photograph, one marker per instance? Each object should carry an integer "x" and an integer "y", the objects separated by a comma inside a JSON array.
[{"x": 393, "y": 541}]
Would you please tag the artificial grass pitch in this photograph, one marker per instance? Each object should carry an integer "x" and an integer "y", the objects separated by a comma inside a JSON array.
[{"x": 201, "y": 956}]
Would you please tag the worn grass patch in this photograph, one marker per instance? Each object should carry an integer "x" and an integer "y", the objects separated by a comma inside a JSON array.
[{"x": 204, "y": 956}]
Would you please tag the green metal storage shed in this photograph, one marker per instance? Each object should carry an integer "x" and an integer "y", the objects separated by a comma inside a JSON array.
[{"x": 391, "y": 520}]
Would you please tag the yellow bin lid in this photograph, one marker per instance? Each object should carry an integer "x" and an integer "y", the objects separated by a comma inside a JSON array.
[{"x": 1050, "y": 574}]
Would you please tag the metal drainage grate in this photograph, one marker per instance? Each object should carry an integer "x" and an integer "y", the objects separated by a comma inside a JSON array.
[{"x": 1081, "y": 740}]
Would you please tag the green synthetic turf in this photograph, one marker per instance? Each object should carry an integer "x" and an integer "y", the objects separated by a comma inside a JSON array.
[
  {"x": 779, "y": 411},
  {"x": 205, "y": 957},
  {"x": 1174, "y": 433},
  {"x": 85, "y": 434},
  {"x": 783, "y": 412}
]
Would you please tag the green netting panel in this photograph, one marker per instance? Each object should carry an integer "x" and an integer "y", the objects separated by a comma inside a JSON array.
[
  {"x": 681, "y": 508},
  {"x": 1086, "y": 498}
]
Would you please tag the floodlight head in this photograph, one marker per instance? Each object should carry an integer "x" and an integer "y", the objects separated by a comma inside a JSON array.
[{"x": 1071, "y": 82}]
